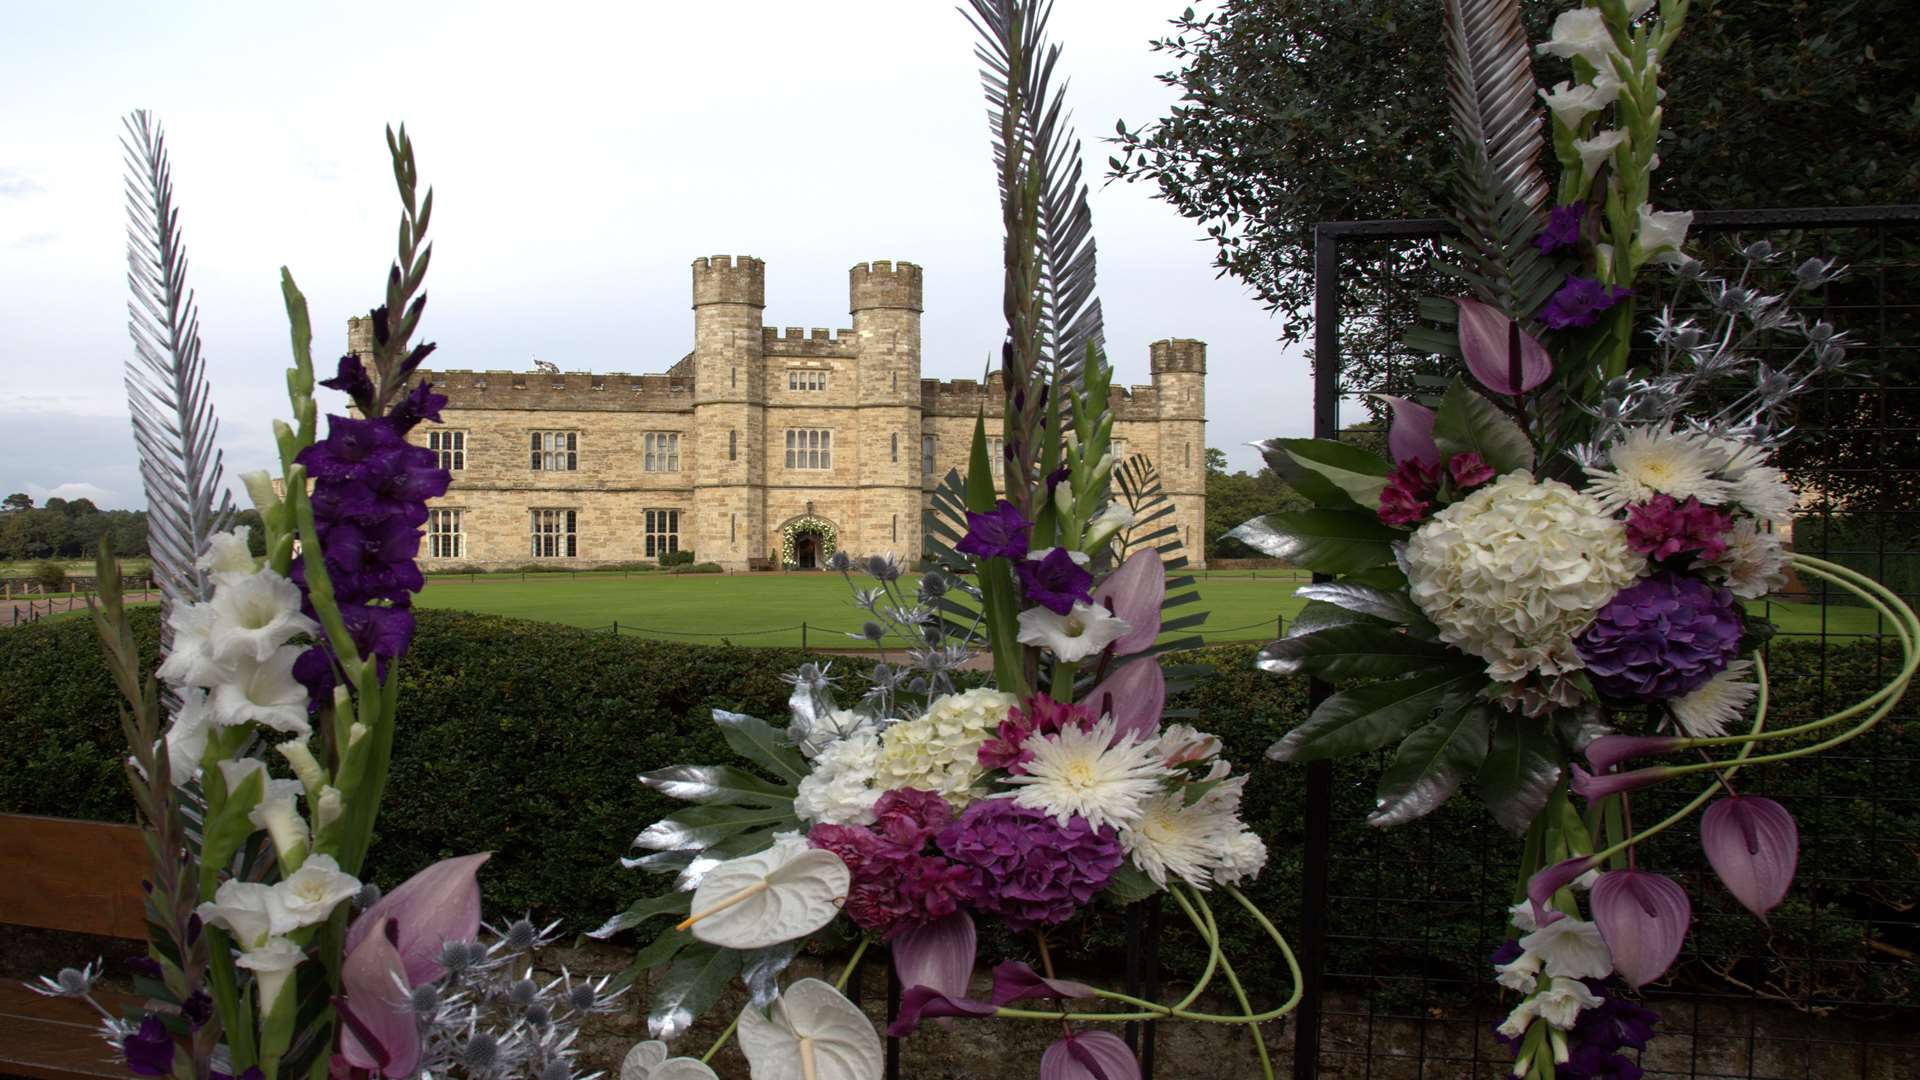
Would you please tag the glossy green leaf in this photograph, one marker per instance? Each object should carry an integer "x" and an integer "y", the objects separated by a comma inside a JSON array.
[
  {"x": 1312, "y": 486},
  {"x": 1328, "y": 541},
  {"x": 1524, "y": 765},
  {"x": 640, "y": 911},
  {"x": 1358, "y": 651},
  {"x": 1468, "y": 422},
  {"x": 757, "y": 741},
  {"x": 1430, "y": 765},
  {"x": 1369, "y": 717},
  {"x": 1360, "y": 475}
]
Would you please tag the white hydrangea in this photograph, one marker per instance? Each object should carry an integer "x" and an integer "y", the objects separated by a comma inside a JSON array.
[
  {"x": 1513, "y": 571},
  {"x": 839, "y": 790},
  {"x": 940, "y": 751},
  {"x": 1755, "y": 562}
]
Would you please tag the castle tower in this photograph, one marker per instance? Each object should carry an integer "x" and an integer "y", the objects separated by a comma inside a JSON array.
[
  {"x": 729, "y": 437},
  {"x": 1180, "y": 376},
  {"x": 885, "y": 299}
]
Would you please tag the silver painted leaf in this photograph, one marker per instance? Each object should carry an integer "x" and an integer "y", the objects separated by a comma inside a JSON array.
[
  {"x": 640, "y": 911},
  {"x": 696, "y": 980},
  {"x": 1395, "y": 607},
  {"x": 1525, "y": 762},
  {"x": 717, "y": 784},
  {"x": 1431, "y": 764},
  {"x": 761, "y": 969}
]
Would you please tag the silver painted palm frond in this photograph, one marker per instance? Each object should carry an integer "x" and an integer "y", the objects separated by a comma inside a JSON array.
[
  {"x": 1502, "y": 194},
  {"x": 1013, "y": 45},
  {"x": 167, "y": 393}
]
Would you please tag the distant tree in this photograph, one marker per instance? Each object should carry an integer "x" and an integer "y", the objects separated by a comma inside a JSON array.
[
  {"x": 1216, "y": 461},
  {"x": 19, "y": 500}
]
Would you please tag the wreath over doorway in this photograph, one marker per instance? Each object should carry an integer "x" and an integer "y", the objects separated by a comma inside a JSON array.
[{"x": 790, "y": 532}]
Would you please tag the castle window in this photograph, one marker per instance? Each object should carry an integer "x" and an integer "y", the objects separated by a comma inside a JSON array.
[
  {"x": 662, "y": 532},
  {"x": 444, "y": 534},
  {"x": 1119, "y": 450},
  {"x": 896, "y": 528},
  {"x": 893, "y": 447},
  {"x": 662, "y": 451},
  {"x": 996, "y": 451},
  {"x": 450, "y": 447},
  {"x": 553, "y": 534},
  {"x": 733, "y": 444},
  {"x": 1187, "y": 455},
  {"x": 928, "y": 444},
  {"x": 556, "y": 451},
  {"x": 806, "y": 380},
  {"x": 733, "y": 528},
  {"x": 809, "y": 448}
]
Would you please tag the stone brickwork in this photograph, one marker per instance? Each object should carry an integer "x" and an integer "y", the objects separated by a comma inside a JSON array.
[{"x": 727, "y": 410}]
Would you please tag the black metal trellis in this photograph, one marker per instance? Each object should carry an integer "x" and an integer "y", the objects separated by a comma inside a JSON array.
[{"x": 1391, "y": 991}]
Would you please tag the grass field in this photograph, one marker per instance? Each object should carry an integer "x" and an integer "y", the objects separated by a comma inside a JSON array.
[{"x": 768, "y": 609}]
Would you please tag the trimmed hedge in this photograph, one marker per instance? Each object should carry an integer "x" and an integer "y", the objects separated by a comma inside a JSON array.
[{"x": 525, "y": 739}]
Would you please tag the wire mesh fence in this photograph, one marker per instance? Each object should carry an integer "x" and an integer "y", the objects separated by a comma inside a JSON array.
[{"x": 1399, "y": 923}]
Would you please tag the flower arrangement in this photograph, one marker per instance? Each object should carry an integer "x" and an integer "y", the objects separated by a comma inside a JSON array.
[
  {"x": 790, "y": 535},
  {"x": 903, "y": 815},
  {"x": 258, "y": 965},
  {"x": 1555, "y": 561}
]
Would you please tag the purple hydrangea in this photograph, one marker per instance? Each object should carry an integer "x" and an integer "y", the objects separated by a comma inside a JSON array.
[
  {"x": 1024, "y": 866},
  {"x": 1001, "y": 533},
  {"x": 1055, "y": 582},
  {"x": 1660, "y": 639},
  {"x": 149, "y": 1050},
  {"x": 1580, "y": 302},
  {"x": 1563, "y": 228}
]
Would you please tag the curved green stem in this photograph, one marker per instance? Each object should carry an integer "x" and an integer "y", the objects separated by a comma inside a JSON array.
[{"x": 1211, "y": 931}]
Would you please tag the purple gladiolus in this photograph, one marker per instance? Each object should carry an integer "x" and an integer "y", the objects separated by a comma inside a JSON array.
[
  {"x": 1753, "y": 844},
  {"x": 149, "y": 1051},
  {"x": 1015, "y": 981},
  {"x": 1563, "y": 228},
  {"x": 1089, "y": 1055},
  {"x": 1134, "y": 592},
  {"x": 1543, "y": 884},
  {"x": 351, "y": 379},
  {"x": 1134, "y": 696},
  {"x": 1055, "y": 582},
  {"x": 1410, "y": 433},
  {"x": 1580, "y": 302},
  {"x": 1607, "y": 751},
  {"x": 1000, "y": 533},
  {"x": 1489, "y": 341},
  {"x": 1643, "y": 918}
]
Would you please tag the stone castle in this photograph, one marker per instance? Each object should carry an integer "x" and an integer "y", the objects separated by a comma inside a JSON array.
[{"x": 760, "y": 447}]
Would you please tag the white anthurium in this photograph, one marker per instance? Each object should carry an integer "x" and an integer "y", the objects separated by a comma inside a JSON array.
[
  {"x": 254, "y": 615},
  {"x": 280, "y": 817},
  {"x": 309, "y": 895},
  {"x": 649, "y": 1061},
  {"x": 186, "y": 740},
  {"x": 1581, "y": 32},
  {"x": 271, "y": 963},
  {"x": 227, "y": 553},
  {"x": 190, "y": 660},
  {"x": 1661, "y": 233},
  {"x": 1595, "y": 151},
  {"x": 785, "y": 892},
  {"x": 264, "y": 693},
  {"x": 1072, "y": 637},
  {"x": 810, "y": 1033}
]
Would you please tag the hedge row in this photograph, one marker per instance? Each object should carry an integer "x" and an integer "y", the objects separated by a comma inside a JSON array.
[{"x": 525, "y": 739}]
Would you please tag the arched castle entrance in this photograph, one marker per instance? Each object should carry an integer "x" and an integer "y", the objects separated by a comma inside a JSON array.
[{"x": 807, "y": 542}]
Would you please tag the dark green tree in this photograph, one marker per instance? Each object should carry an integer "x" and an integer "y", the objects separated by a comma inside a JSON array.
[{"x": 19, "y": 500}]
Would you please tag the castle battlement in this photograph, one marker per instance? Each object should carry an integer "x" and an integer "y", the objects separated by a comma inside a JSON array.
[
  {"x": 966, "y": 397},
  {"x": 729, "y": 279},
  {"x": 567, "y": 391},
  {"x": 812, "y": 343},
  {"x": 884, "y": 284}
]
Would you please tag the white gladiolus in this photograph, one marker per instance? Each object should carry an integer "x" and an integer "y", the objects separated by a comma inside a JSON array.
[
  {"x": 1571, "y": 103},
  {"x": 1080, "y": 558},
  {"x": 246, "y": 910},
  {"x": 266, "y": 694},
  {"x": 271, "y": 963},
  {"x": 1080, "y": 633},
  {"x": 237, "y": 771},
  {"x": 1661, "y": 233},
  {"x": 280, "y": 817},
  {"x": 259, "y": 485},
  {"x": 227, "y": 553},
  {"x": 1570, "y": 948},
  {"x": 327, "y": 806},
  {"x": 186, "y": 740},
  {"x": 1561, "y": 1002},
  {"x": 190, "y": 660},
  {"x": 310, "y": 894},
  {"x": 254, "y": 615},
  {"x": 1521, "y": 974},
  {"x": 305, "y": 766},
  {"x": 1581, "y": 32},
  {"x": 1595, "y": 151}
]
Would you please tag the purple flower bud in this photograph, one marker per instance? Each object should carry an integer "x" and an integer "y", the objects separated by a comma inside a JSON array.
[
  {"x": 1563, "y": 228},
  {"x": 1580, "y": 302},
  {"x": 1542, "y": 885},
  {"x": 1590, "y": 786},
  {"x": 149, "y": 1050},
  {"x": 1607, "y": 751},
  {"x": 1494, "y": 345},
  {"x": 1753, "y": 844},
  {"x": 1643, "y": 918}
]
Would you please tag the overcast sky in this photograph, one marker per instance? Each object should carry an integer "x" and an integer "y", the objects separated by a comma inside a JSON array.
[{"x": 581, "y": 157}]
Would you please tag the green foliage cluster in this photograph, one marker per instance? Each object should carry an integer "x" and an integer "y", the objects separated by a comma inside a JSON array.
[
  {"x": 1235, "y": 498},
  {"x": 698, "y": 568},
  {"x": 676, "y": 558},
  {"x": 526, "y": 739},
  {"x": 50, "y": 576},
  {"x": 67, "y": 529}
]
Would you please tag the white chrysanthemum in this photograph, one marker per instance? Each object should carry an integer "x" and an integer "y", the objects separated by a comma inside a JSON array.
[
  {"x": 1182, "y": 744},
  {"x": 1072, "y": 637},
  {"x": 839, "y": 790},
  {"x": 1087, "y": 773},
  {"x": 1650, "y": 461},
  {"x": 1171, "y": 838},
  {"x": 940, "y": 751},
  {"x": 253, "y": 615},
  {"x": 1764, "y": 492},
  {"x": 1242, "y": 858},
  {"x": 1755, "y": 562},
  {"x": 1710, "y": 710},
  {"x": 1513, "y": 571}
]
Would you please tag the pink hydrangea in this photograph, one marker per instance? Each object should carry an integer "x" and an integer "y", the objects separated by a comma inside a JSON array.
[
  {"x": 896, "y": 883},
  {"x": 1469, "y": 471},
  {"x": 1662, "y": 528},
  {"x": 1038, "y": 715},
  {"x": 1409, "y": 493}
]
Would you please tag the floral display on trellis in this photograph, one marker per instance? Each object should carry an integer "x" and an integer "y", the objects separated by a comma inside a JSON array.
[{"x": 829, "y": 538}]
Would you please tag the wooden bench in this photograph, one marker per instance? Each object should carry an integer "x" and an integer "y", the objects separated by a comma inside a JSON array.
[{"x": 78, "y": 877}]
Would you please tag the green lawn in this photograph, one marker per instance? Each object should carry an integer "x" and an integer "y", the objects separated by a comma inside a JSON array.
[{"x": 768, "y": 609}]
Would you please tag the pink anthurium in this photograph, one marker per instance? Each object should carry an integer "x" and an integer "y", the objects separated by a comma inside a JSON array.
[
  {"x": 429, "y": 909},
  {"x": 1133, "y": 592},
  {"x": 1089, "y": 1055},
  {"x": 1541, "y": 887},
  {"x": 1643, "y": 918},
  {"x": 1134, "y": 696},
  {"x": 1410, "y": 434},
  {"x": 378, "y": 1028},
  {"x": 1607, "y": 751},
  {"x": 1015, "y": 981},
  {"x": 1754, "y": 846},
  {"x": 1488, "y": 339},
  {"x": 935, "y": 963}
]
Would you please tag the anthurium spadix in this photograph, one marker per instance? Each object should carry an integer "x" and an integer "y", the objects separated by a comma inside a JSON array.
[
  {"x": 1134, "y": 593},
  {"x": 810, "y": 1033},
  {"x": 1753, "y": 844},
  {"x": 1643, "y": 918},
  {"x": 1505, "y": 358},
  {"x": 1410, "y": 432},
  {"x": 785, "y": 892},
  {"x": 649, "y": 1061}
]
